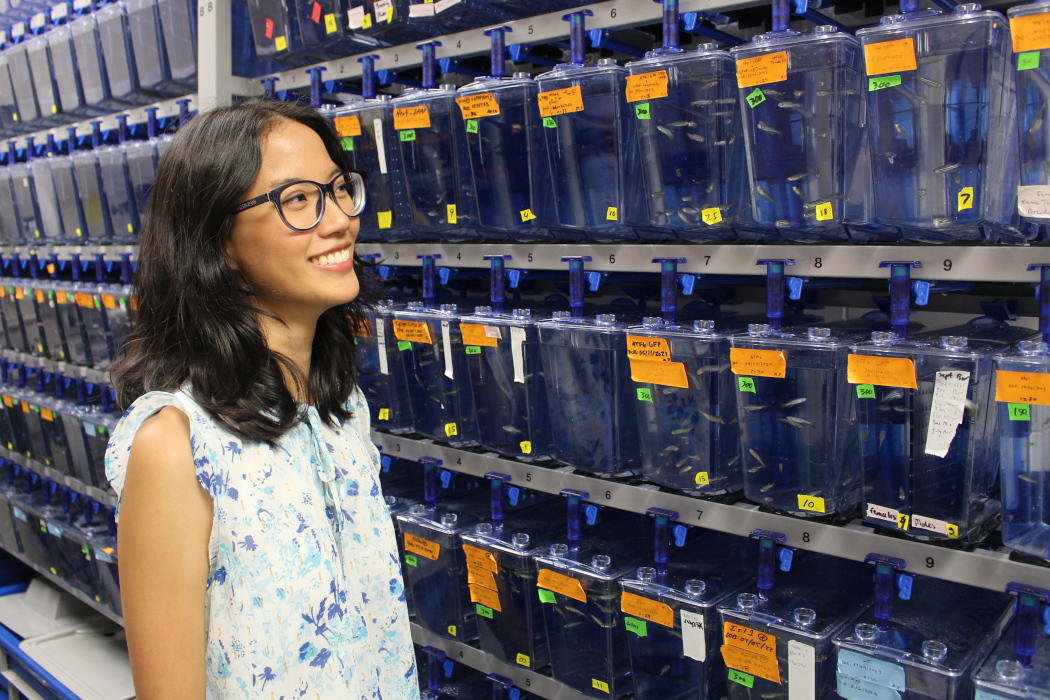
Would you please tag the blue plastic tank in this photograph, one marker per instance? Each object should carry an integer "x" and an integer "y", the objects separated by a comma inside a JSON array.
[{"x": 1018, "y": 668}]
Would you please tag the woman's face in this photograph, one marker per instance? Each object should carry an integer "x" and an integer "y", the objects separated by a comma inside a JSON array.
[{"x": 295, "y": 272}]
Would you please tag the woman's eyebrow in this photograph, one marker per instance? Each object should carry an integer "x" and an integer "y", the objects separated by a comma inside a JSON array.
[{"x": 286, "y": 180}]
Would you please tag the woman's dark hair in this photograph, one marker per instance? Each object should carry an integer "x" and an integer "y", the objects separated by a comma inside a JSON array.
[{"x": 196, "y": 322}]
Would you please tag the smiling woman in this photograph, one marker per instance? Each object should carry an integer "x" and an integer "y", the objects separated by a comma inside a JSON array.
[{"x": 257, "y": 555}]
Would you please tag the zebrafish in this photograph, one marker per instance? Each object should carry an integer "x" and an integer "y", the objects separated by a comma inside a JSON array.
[
  {"x": 713, "y": 419},
  {"x": 796, "y": 177},
  {"x": 1037, "y": 123},
  {"x": 665, "y": 131},
  {"x": 695, "y": 137},
  {"x": 701, "y": 103},
  {"x": 793, "y": 402},
  {"x": 681, "y": 431},
  {"x": 797, "y": 422},
  {"x": 893, "y": 395},
  {"x": 768, "y": 129},
  {"x": 668, "y": 450},
  {"x": 946, "y": 168},
  {"x": 762, "y": 192},
  {"x": 798, "y": 190},
  {"x": 1025, "y": 477},
  {"x": 719, "y": 143},
  {"x": 678, "y": 125},
  {"x": 775, "y": 93},
  {"x": 726, "y": 101},
  {"x": 790, "y": 105},
  {"x": 900, "y": 130},
  {"x": 752, "y": 408},
  {"x": 757, "y": 458},
  {"x": 928, "y": 82}
]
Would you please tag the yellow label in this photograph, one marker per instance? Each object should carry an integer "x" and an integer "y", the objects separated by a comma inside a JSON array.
[
  {"x": 412, "y": 331},
  {"x": 702, "y": 479},
  {"x": 953, "y": 531},
  {"x": 659, "y": 372},
  {"x": 366, "y": 23},
  {"x": 385, "y": 218},
  {"x": 450, "y": 210},
  {"x": 488, "y": 598},
  {"x": 1022, "y": 387},
  {"x": 824, "y": 212},
  {"x": 20, "y": 293},
  {"x": 477, "y": 106},
  {"x": 524, "y": 661},
  {"x": 902, "y": 521},
  {"x": 651, "y": 610},
  {"x": 527, "y": 215},
  {"x": 711, "y": 216},
  {"x": 451, "y": 429},
  {"x": 561, "y": 101},
  {"x": 46, "y": 414},
  {"x": 280, "y": 43},
  {"x": 109, "y": 301},
  {"x": 417, "y": 117},
  {"x": 329, "y": 24},
  {"x": 1030, "y": 33},
  {"x": 641, "y": 347},
  {"x": 526, "y": 447},
  {"x": 890, "y": 56},
  {"x": 60, "y": 297},
  {"x": 966, "y": 198},
  {"x": 39, "y": 294},
  {"x": 881, "y": 371},
  {"x": 770, "y": 68},
  {"x": 474, "y": 334},
  {"x": 481, "y": 559},
  {"x": 611, "y": 214},
  {"x": 84, "y": 300},
  {"x": 599, "y": 685},
  {"x": 424, "y": 548},
  {"x": 451, "y": 628},
  {"x": 812, "y": 503},
  {"x": 384, "y": 414},
  {"x": 25, "y": 407},
  {"x": 348, "y": 126},
  {"x": 647, "y": 86},
  {"x": 758, "y": 363},
  {"x": 9, "y": 402},
  {"x": 560, "y": 583}
]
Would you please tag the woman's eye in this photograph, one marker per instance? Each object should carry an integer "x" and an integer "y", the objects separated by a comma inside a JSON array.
[{"x": 296, "y": 198}]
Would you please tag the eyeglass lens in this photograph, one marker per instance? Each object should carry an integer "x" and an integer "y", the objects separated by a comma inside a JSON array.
[{"x": 301, "y": 204}]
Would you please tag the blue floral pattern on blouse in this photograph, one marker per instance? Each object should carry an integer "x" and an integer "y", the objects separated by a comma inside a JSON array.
[{"x": 304, "y": 595}]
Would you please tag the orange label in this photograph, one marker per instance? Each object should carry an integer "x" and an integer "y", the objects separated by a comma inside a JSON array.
[
  {"x": 39, "y": 296},
  {"x": 657, "y": 372},
  {"x": 412, "y": 117},
  {"x": 480, "y": 577},
  {"x": 20, "y": 293},
  {"x": 488, "y": 598},
  {"x": 25, "y": 407},
  {"x": 109, "y": 301},
  {"x": 84, "y": 300},
  {"x": 60, "y": 297},
  {"x": 46, "y": 414},
  {"x": 758, "y": 363},
  {"x": 3, "y": 292},
  {"x": 650, "y": 610},
  {"x": 640, "y": 347},
  {"x": 559, "y": 583},
  {"x": 1030, "y": 33},
  {"x": 647, "y": 86},
  {"x": 477, "y": 106},
  {"x": 412, "y": 331},
  {"x": 751, "y": 662},
  {"x": 1022, "y": 387},
  {"x": 363, "y": 329},
  {"x": 422, "y": 547},
  {"x": 133, "y": 303},
  {"x": 561, "y": 101},
  {"x": 474, "y": 334},
  {"x": 348, "y": 126},
  {"x": 890, "y": 56},
  {"x": 480, "y": 559},
  {"x": 9, "y": 402},
  {"x": 771, "y": 68},
  {"x": 881, "y": 371}
]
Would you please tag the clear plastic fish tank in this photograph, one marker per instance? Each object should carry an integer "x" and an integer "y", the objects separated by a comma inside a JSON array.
[
  {"x": 503, "y": 354},
  {"x": 675, "y": 643},
  {"x": 26, "y": 203},
  {"x": 31, "y": 510},
  {"x": 70, "y": 535},
  {"x": 590, "y": 393},
  {"x": 1018, "y": 667},
  {"x": 8, "y": 104},
  {"x": 927, "y": 435},
  {"x": 819, "y": 597},
  {"x": 149, "y": 40},
  {"x": 118, "y": 54},
  {"x": 120, "y": 196},
  {"x": 91, "y": 64},
  {"x": 942, "y": 124},
  {"x": 1033, "y": 77},
  {"x": 798, "y": 432},
  {"x": 104, "y": 549},
  {"x": 50, "y": 322},
  {"x": 688, "y": 435},
  {"x": 68, "y": 84},
  {"x": 10, "y": 228},
  {"x": 47, "y": 199},
  {"x": 802, "y": 102},
  {"x": 931, "y": 644},
  {"x": 16, "y": 335},
  {"x": 44, "y": 81},
  {"x": 435, "y": 361},
  {"x": 9, "y": 487},
  {"x": 391, "y": 22},
  {"x": 77, "y": 345},
  {"x": 93, "y": 201},
  {"x": 691, "y": 141},
  {"x": 22, "y": 83},
  {"x": 381, "y": 372},
  {"x": 64, "y": 179}
]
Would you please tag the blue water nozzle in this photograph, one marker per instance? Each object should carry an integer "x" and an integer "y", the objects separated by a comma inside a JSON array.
[
  {"x": 184, "y": 111},
  {"x": 52, "y": 147},
  {"x": 125, "y": 268},
  {"x": 499, "y": 50},
  {"x": 429, "y": 274},
  {"x": 316, "y": 86},
  {"x": 670, "y": 23},
  {"x": 1029, "y": 599},
  {"x": 429, "y": 49},
  {"x": 435, "y": 660},
  {"x": 152, "y": 125},
  {"x": 669, "y": 286},
  {"x": 573, "y": 519},
  {"x": 662, "y": 541},
  {"x": 270, "y": 88},
  {"x": 499, "y": 274},
  {"x": 30, "y": 148},
  {"x": 499, "y": 481},
  {"x": 886, "y": 569},
  {"x": 96, "y": 134},
  {"x": 900, "y": 289},
  {"x": 576, "y": 274},
  {"x": 1044, "y": 298},
  {"x": 775, "y": 289},
  {"x": 767, "y": 558},
  {"x": 71, "y": 138},
  {"x": 781, "y": 15},
  {"x": 122, "y": 128},
  {"x": 430, "y": 473},
  {"x": 502, "y": 687},
  {"x": 578, "y": 35},
  {"x": 909, "y": 5},
  {"x": 16, "y": 265},
  {"x": 368, "y": 76}
]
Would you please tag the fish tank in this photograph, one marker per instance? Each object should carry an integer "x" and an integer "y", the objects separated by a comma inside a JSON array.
[
  {"x": 1031, "y": 76},
  {"x": 381, "y": 371},
  {"x": 1018, "y": 667}
]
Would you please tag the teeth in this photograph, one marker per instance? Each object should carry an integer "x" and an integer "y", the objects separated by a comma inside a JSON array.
[{"x": 332, "y": 258}]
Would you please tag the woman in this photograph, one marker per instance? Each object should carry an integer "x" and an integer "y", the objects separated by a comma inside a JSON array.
[{"x": 257, "y": 556}]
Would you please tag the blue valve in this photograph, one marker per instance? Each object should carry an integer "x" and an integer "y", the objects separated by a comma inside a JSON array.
[
  {"x": 368, "y": 76},
  {"x": 900, "y": 284},
  {"x": 886, "y": 569},
  {"x": 669, "y": 286},
  {"x": 680, "y": 532},
  {"x": 590, "y": 513},
  {"x": 446, "y": 478},
  {"x": 904, "y": 584},
  {"x": 385, "y": 461},
  {"x": 922, "y": 292},
  {"x": 767, "y": 547},
  {"x": 429, "y": 49},
  {"x": 577, "y": 32},
  {"x": 785, "y": 556},
  {"x": 498, "y": 293},
  {"x": 449, "y": 667},
  {"x": 496, "y": 498},
  {"x": 775, "y": 286},
  {"x": 513, "y": 494},
  {"x": 430, "y": 466},
  {"x": 794, "y": 285},
  {"x": 1029, "y": 600},
  {"x": 576, "y": 281},
  {"x": 499, "y": 50},
  {"x": 661, "y": 543},
  {"x": 429, "y": 272},
  {"x": 575, "y": 503},
  {"x": 670, "y": 21}
]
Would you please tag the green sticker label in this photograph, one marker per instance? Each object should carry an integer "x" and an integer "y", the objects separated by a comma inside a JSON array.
[
  {"x": 347, "y": 142},
  {"x": 408, "y": 135},
  {"x": 472, "y": 126},
  {"x": 546, "y": 596},
  {"x": 403, "y": 345},
  {"x": 635, "y": 625},
  {"x": 642, "y": 110},
  {"x": 1020, "y": 411},
  {"x": 1028, "y": 60},
  {"x": 883, "y": 82},
  {"x": 483, "y": 611},
  {"x": 473, "y": 350},
  {"x": 755, "y": 98},
  {"x": 645, "y": 395},
  {"x": 865, "y": 391},
  {"x": 410, "y": 559},
  {"x": 746, "y": 384},
  {"x": 741, "y": 678},
  {"x": 550, "y": 123}
]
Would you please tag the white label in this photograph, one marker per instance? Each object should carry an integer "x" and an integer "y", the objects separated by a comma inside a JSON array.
[
  {"x": 38, "y": 21},
  {"x": 985, "y": 695},
  {"x": 517, "y": 340},
  {"x": 882, "y": 513},
  {"x": 932, "y": 524},
  {"x": 949, "y": 401},
  {"x": 1033, "y": 201},
  {"x": 102, "y": 556},
  {"x": 59, "y": 11},
  {"x": 420, "y": 10},
  {"x": 380, "y": 7},
  {"x": 355, "y": 17},
  {"x": 447, "y": 342},
  {"x": 384, "y": 368},
  {"x": 802, "y": 664},
  {"x": 81, "y": 4},
  {"x": 380, "y": 144},
  {"x": 694, "y": 641},
  {"x": 54, "y": 530},
  {"x": 19, "y": 513},
  {"x": 493, "y": 332},
  {"x": 18, "y": 30},
  {"x": 443, "y": 5}
]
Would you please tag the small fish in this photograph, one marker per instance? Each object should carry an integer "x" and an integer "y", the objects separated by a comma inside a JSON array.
[
  {"x": 798, "y": 190},
  {"x": 665, "y": 131},
  {"x": 831, "y": 93},
  {"x": 794, "y": 402},
  {"x": 710, "y": 84},
  {"x": 665, "y": 669},
  {"x": 752, "y": 408},
  {"x": 928, "y": 82},
  {"x": 678, "y": 125},
  {"x": 726, "y": 101},
  {"x": 796, "y": 177},
  {"x": 893, "y": 395},
  {"x": 941, "y": 221},
  {"x": 765, "y": 488},
  {"x": 685, "y": 220},
  {"x": 958, "y": 179},
  {"x": 709, "y": 368},
  {"x": 683, "y": 460},
  {"x": 790, "y": 105},
  {"x": 570, "y": 625},
  {"x": 672, "y": 390},
  {"x": 713, "y": 419},
  {"x": 575, "y": 611},
  {"x": 733, "y": 461},
  {"x": 691, "y": 210},
  {"x": 775, "y": 93},
  {"x": 701, "y": 103},
  {"x": 757, "y": 458},
  {"x": 762, "y": 192},
  {"x": 810, "y": 214},
  {"x": 657, "y": 194},
  {"x": 759, "y": 468},
  {"x": 799, "y": 93},
  {"x": 727, "y": 113},
  {"x": 1025, "y": 477},
  {"x": 882, "y": 438},
  {"x": 681, "y": 431},
  {"x": 719, "y": 143},
  {"x": 768, "y": 129},
  {"x": 946, "y": 168},
  {"x": 511, "y": 429},
  {"x": 797, "y": 422},
  {"x": 921, "y": 193},
  {"x": 442, "y": 197},
  {"x": 902, "y": 409},
  {"x": 972, "y": 408},
  {"x": 711, "y": 187},
  {"x": 783, "y": 223},
  {"x": 687, "y": 198},
  {"x": 900, "y": 130},
  {"x": 668, "y": 450},
  {"x": 771, "y": 696},
  {"x": 695, "y": 137},
  {"x": 1037, "y": 123}
]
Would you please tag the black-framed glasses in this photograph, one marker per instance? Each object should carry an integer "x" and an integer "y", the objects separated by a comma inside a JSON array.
[{"x": 301, "y": 204}]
